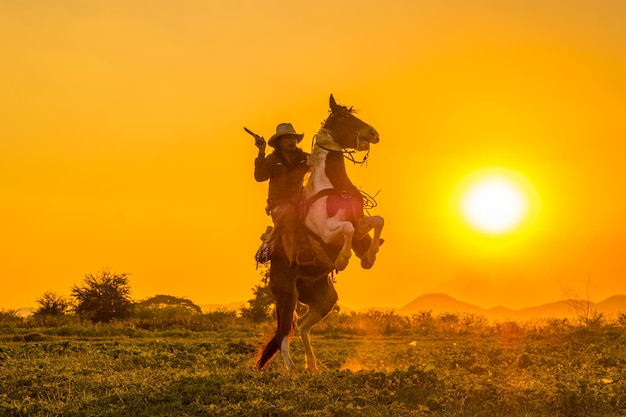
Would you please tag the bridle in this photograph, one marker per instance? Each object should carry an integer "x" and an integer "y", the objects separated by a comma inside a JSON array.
[{"x": 348, "y": 153}]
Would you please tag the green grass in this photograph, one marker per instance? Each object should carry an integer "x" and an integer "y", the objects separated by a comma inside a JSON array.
[{"x": 375, "y": 365}]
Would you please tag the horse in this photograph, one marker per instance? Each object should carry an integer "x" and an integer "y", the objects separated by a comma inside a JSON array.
[{"x": 333, "y": 224}]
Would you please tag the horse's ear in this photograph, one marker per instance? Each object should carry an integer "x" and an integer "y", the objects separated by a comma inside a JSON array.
[{"x": 333, "y": 103}]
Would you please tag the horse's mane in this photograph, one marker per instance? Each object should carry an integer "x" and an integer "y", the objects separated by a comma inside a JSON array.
[{"x": 350, "y": 110}]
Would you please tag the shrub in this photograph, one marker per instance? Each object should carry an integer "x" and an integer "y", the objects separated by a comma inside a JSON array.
[
  {"x": 52, "y": 304},
  {"x": 10, "y": 318}
]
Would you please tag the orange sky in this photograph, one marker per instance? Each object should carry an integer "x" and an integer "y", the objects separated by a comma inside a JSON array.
[{"x": 121, "y": 140}]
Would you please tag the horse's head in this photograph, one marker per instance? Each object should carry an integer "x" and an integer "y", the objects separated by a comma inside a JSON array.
[{"x": 348, "y": 130}]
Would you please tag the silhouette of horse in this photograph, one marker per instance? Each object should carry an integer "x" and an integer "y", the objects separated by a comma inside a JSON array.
[{"x": 333, "y": 224}]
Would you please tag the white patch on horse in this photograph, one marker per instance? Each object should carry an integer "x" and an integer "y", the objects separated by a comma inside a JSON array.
[
  {"x": 332, "y": 230},
  {"x": 284, "y": 350}
]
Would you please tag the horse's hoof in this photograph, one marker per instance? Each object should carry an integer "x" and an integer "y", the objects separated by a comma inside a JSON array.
[
  {"x": 312, "y": 369},
  {"x": 367, "y": 263},
  {"x": 316, "y": 368}
]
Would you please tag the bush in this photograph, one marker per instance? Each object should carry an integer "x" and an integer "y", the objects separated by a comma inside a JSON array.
[
  {"x": 9, "y": 318},
  {"x": 52, "y": 304}
]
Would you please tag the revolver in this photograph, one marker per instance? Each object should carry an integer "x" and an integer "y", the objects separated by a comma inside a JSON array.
[{"x": 257, "y": 139}]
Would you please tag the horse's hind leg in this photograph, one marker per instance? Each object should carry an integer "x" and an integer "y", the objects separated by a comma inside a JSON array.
[
  {"x": 286, "y": 296},
  {"x": 282, "y": 285},
  {"x": 320, "y": 296}
]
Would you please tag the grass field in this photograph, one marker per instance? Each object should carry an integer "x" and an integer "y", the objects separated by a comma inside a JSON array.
[{"x": 376, "y": 364}]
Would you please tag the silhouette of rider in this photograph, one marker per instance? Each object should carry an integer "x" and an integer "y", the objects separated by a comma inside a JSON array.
[{"x": 285, "y": 168}]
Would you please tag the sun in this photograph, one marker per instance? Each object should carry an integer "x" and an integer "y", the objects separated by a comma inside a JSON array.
[
  {"x": 495, "y": 201},
  {"x": 494, "y": 205}
]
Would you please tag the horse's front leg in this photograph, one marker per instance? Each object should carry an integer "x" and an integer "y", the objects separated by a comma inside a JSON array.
[
  {"x": 366, "y": 224},
  {"x": 346, "y": 250},
  {"x": 340, "y": 229}
]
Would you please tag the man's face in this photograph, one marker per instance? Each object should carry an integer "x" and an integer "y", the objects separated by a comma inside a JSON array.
[{"x": 288, "y": 143}]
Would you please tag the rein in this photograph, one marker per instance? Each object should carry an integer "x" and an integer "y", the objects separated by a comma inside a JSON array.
[{"x": 348, "y": 153}]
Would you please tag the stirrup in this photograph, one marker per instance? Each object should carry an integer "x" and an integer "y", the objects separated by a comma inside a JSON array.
[{"x": 262, "y": 255}]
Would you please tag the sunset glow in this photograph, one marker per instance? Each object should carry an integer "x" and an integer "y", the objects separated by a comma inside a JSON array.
[{"x": 121, "y": 142}]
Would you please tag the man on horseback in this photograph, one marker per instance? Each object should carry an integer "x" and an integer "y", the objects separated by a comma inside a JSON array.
[
  {"x": 285, "y": 168},
  {"x": 323, "y": 219}
]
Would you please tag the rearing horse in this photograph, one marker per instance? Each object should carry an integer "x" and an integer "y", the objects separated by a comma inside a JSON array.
[{"x": 334, "y": 226}]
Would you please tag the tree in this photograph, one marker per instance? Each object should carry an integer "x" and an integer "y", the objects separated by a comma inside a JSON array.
[
  {"x": 584, "y": 308},
  {"x": 52, "y": 304},
  {"x": 103, "y": 297},
  {"x": 169, "y": 304},
  {"x": 259, "y": 307}
]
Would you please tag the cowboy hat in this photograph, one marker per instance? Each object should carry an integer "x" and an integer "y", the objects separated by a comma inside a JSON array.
[{"x": 284, "y": 129}]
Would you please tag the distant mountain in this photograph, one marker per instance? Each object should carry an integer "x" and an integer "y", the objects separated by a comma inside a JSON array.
[
  {"x": 442, "y": 303},
  {"x": 554, "y": 309},
  {"x": 438, "y": 303},
  {"x": 24, "y": 312},
  {"x": 613, "y": 305}
]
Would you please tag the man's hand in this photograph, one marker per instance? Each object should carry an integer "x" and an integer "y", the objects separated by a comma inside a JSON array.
[{"x": 259, "y": 142}]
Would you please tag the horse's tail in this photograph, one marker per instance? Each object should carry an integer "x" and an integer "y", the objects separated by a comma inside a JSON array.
[{"x": 272, "y": 347}]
